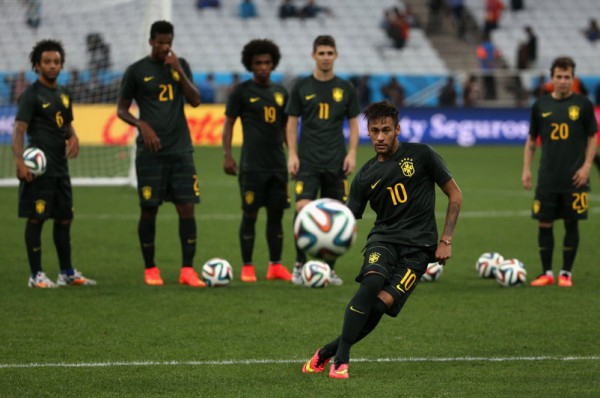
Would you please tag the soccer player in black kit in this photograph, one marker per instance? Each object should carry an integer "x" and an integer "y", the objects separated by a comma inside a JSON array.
[
  {"x": 399, "y": 184},
  {"x": 160, "y": 84},
  {"x": 263, "y": 179},
  {"x": 566, "y": 125},
  {"x": 45, "y": 113}
]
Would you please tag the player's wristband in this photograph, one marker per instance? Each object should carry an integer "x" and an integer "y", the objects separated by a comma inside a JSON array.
[{"x": 446, "y": 242}]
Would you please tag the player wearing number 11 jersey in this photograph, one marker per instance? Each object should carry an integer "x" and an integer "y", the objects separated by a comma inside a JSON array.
[
  {"x": 566, "y": 125},
  {"x": 399, "y": 184}
]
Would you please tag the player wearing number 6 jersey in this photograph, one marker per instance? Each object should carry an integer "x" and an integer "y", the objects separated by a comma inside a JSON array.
[
  {"x": 160, "y": 84},
  {"x": 565, "y": 124},
  {"x": 399, "y": 184}
]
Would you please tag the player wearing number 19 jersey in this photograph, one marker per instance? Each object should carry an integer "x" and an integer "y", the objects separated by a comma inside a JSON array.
[
  {"x": 263, "y": 180},
  {"x": 566, "y": 126},
  {"x": 160, "y": 84},
  {"x": 399, "y": 184}
]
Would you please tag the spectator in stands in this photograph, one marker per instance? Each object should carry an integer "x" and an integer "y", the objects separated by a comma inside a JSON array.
[
  {"x": 471, "y": 92},
  {"x": 457, "y": 7},
  {"x": 202, "y": 4},
  {"x": 207, "y": 89},
  {"x": 517, "y": 5},
  {"x": 363, "y": 90},
  {"x": 531, "y": 44},
  {"x": 248, "y": 9},
  {"x": 493, "y": 13},
  {"x": 77, "y": 87},
  {"x": 488, "y": 56},
  {"x": 99, "y": 53},
  {"x": 97, "y": 92},
  {"x": 393, "y": 92},
  {"x": 592, "y": 32},
  {"x": 447, "y": 96},
  {"x": 597, "y": 102},
  {"x": 434, "y": 19},
  {"x": 18, "y": 84},
  {"x": 33, "y": 13},
  {"x": 287, "y": 9},
  {"x": 396, "y": 27},
  {"x": 539, "y": 90},
  {"x": 312, "y": 10}
]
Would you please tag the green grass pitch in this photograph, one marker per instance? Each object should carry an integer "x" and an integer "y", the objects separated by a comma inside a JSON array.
[{"x": 460, "y": 336}]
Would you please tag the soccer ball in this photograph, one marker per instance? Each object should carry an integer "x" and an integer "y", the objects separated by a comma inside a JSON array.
[
  {"x": 35, "y": 160},
  {"x": 511, "y": 272},
  {"x": 433, "y": 273},
  {"x": 217, "y": 272},
  {"x": 487, "y": 264},
  {"x": 325, "y": 228},
  {"x": 315, "y": 274}
]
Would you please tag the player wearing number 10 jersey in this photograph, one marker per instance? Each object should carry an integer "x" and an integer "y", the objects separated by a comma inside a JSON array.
[
  {"x": 160, "y": 84},
  {"x": 399, "y": 184},
  {"x": 566, "y": 125}
]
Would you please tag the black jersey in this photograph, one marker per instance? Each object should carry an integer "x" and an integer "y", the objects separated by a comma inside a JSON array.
[
  {"x": 401, "y": 191},
  {"x": 322, "y": 107},
  {"x": 564, "y": 126},
  {"x": 156, "y": 88},
  {"x": 48, "y": 114},
  {"x": 261, "y": 109}
]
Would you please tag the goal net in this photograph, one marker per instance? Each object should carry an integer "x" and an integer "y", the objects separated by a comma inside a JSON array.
[{"x": 101, "y": 38}]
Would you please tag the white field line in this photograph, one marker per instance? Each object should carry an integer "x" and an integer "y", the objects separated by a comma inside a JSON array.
[
  {"x": 237, "y": 216},
  {"x": 291, "y": 361}
]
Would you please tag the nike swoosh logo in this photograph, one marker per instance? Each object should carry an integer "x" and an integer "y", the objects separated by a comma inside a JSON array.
[
  {"x": 191, "y": 241},
  {"x": 546, "y": 114},
  {"x": 375, "y": 184},
  {"x": 355, "y": 310},
  {"x": 254, "y": 99},
  {"x": 309, "y": 97},
  {"x": 37, "y": 249},
  {"x": 341, "y": 372},
  {"x": 47, "y": 104},
  {"x": 148, "y": 78}
]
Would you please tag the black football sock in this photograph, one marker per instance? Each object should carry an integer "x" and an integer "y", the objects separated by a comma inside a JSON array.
[
  {"x": 597, "y": 161},
  {"x": 300, "y": 255},
  {"x": 329, "y": 350},
  {"x": 331, "y": 264},
  {"x": 570, "y": 244},
  {"x": 274, "y": 235},
  {"x": 247, "y": 235},
  {"x": 33, "y": 243},
  {"x": 62, "y": 242},
  {"x": 146, "y": 234},
  {"x": 357, "y": 314},
  {"x": 546, "y": 247},
  {"x": 187, "y": 236}
]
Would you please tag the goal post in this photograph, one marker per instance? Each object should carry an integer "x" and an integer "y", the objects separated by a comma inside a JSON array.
[{"x": 107, "y": 145}]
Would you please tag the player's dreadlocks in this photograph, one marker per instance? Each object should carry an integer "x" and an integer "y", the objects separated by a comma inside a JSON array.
[{"x": 258, "y": 47}]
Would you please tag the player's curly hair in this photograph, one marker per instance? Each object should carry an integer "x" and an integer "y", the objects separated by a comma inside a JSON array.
[
  {"x": 258, "y": 47},
  {"x": 381, "y": 110},
  {"x": 323, "y": 40},
  {"x": 562, "y": 63},
  {"x": 161, "y": 28},
  {"x": 35, "y": 56}
]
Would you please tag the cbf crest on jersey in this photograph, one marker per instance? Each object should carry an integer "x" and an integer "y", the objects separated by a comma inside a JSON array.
[
  {"x": 175, "y": 75},
  {"x": 249, "y": 197},
  {"x": 65, "y": 100},
  {"x": 147, "y": 192},
  {"x": 407, "y": 167},
  {"x": 338, "y": 94},
  {"x": 374, "y": 257},
  {"x": 278, "y": 98},
  {"x": 574, "y": 112}
]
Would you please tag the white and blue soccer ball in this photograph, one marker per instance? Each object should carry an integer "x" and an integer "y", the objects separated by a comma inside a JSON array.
[
  {"x": 487, "y": 264},
  {"x": 511, "y": 272},
  {"x": 35, "y": 160},
  {"x": 315, "y": 274},
  {"x": 217, "y": 272},
  {"x": 325, "y": 229},
  {"x": 433, "y": 273}
]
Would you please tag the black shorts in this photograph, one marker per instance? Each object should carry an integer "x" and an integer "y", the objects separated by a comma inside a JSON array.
[
  {"x": 331, "y": 184},
  {"x": 402, "y": 267},
  {"x": 169, "y": 178},
  {"x": 548, "y": 206},
  {"x": 46, "y": 197},
  {"x": 259, "y": 188}
]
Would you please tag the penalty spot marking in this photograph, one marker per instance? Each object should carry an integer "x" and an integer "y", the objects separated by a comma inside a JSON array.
[{"x": 290, "y": 361}]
